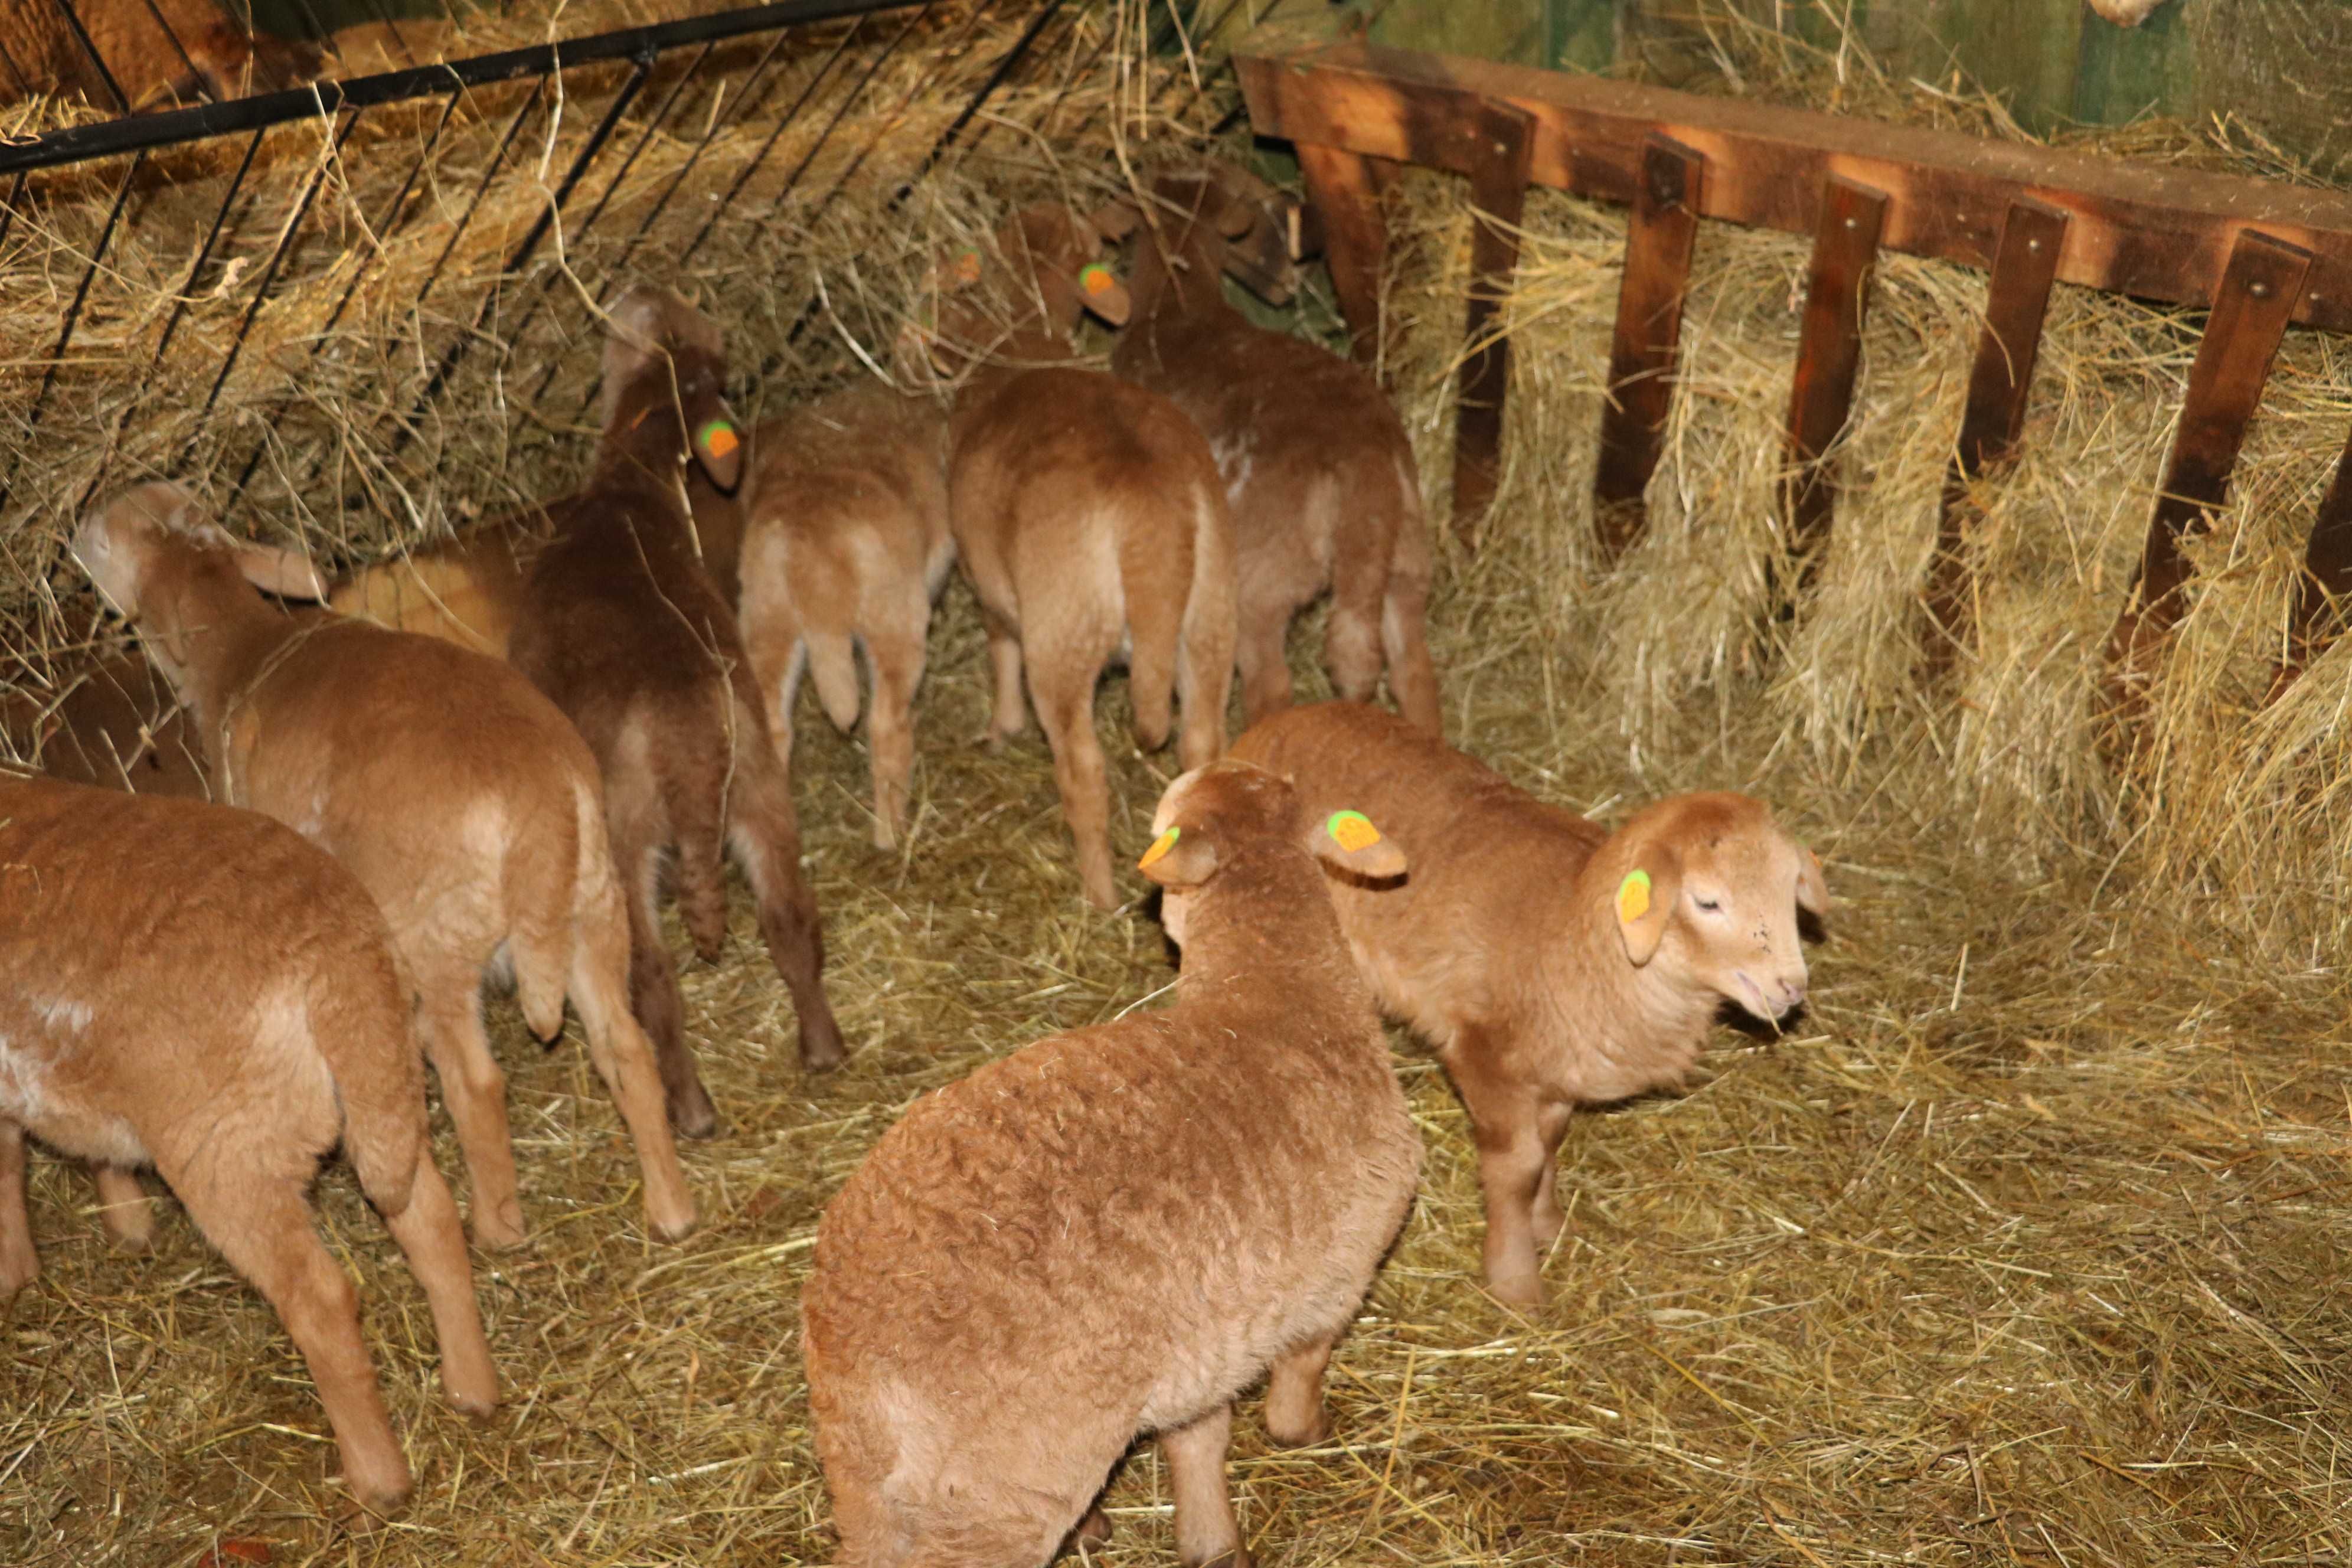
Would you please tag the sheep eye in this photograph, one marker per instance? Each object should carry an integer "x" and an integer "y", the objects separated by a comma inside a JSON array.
[{"x": 1711, "y": 906}]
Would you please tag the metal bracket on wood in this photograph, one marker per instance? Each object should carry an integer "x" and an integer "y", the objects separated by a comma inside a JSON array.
[
  {"x": 1499, "y": 194},
  {"x": 2016, "y": 300},
  {"x": 1829, "y": 353},
  {"x": 1646, "y": 350},
  {"x": 2257, "y": 297}
]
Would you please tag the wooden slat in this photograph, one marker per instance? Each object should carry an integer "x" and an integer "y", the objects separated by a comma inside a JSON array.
[
  {"x": 1346, "y": 193},
  {"x": 1498, "y": 193},
  {"x": 2256, "y": 300},
  {"x": 2015, "y": 303},
  {"x": 2145, "y": 230},
  {"x": 1643, "y": 353},
  {"x": 1828, "y": 352},
  {"x": 2322, "y": 595}
]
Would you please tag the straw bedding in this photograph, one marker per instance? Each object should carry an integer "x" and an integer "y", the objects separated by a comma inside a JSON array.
[{"x": 2025, "y": 1246}]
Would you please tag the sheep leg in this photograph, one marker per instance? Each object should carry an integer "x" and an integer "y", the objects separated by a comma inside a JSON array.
[
  {"x": 123, "y": 1208},
  {"x": 895, "y": 657},
  {"x": 432, "y": 1238},
  {"x": 1207, "y": 1534},
  {"x": 1262, "y": 644},
  {"x": 475, "y": 1091},
  {"x": 1093, "y": 1529},
  {"x": 19, "y": 1265},
  {"x": 1065, "y": 709},
  {"x": 623, "y": 1057},
  {"x": 766, "y": 839},
  {"x": 1405, "y": 631},
  {"x": 771, "y": 644},
  {"x": 1294, "y": 1416},
  {"x": 1511, "y": 1159},
  {"x": 263, "y": 1227},
  {"x": 1011, "y": 715},
  {"x": 1548, "y": 1219},
  {"x": 1352, "y": 635},
  {"x": 653, "y": 974}
]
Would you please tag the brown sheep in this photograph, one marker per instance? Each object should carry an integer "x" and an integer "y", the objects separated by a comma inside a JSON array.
[
  {"x": 1316, "y": 463},
  {"x": 1088, "y": 515},
  {"x": 1552, "y": 964},
  {"x": 622, "y": 627},
  {"x": 1116, "y": 1230},
  {"x": 846, "y": 546},
  {"x": 459, "y": 795},
  {"x": 201, "y": 55},
  {"x": 198, "y": 989},
  {"x": 116, "y": 724}
]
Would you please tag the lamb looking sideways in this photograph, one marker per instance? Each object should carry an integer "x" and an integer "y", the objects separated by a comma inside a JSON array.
[
  {"x": 117, "y": 913},
  {"x": 1552, "y": 964},
  {"x": 1116, "y": 1230}
]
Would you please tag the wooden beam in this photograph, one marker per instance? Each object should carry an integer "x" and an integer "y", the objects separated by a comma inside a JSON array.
[
  {"x": 2251, "y": 311},
  {"x": 1829, "y": 353},
  {"x": 1645, "y": 353},
  {"x": 2145, "y": 230},
  {"x": 2015, "y": 303},
  {"x": 1499, "y": 194},
  {"x": 1354, "y": 230},
  {"x": 2323, "y": 595}
]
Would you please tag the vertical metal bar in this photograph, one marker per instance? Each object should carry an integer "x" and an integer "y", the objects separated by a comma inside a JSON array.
[
  {"x": 8, "y": 207},
  {"x": 1829, "y": 351},
  {"x": 2258, "y": 290},
  {"x": 996, "y": 76},
  {"x": 90, "y": 49},
  {"x": 515, "y": 263},
  {"x": 285, "y": 243},
  {"x": 186, "y": 58},
  {"x": 948, "y": 58},
  {"x": 1499, "y": 194},
  {"x": 2024, "y": 264},
  {"x": 73, "y": 314},
  {"x": 2323, "y": 591},
  {"x": 489, "y": 172},
  {"x": 1647, "y": 347}
]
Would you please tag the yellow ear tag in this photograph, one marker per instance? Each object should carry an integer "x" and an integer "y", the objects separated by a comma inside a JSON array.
[
  {"x": 1160, "y": 848},
  {"x": 718, "y": 437},
  {"x": 1633, "y": 897},
  {"x": 1095, "y": 278},
  {"x": 1352, "y": 830},
  {"x": 966, "y": 267}
]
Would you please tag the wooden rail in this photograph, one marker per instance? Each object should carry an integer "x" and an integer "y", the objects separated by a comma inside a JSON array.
[{"x": 2260, "y": 255}]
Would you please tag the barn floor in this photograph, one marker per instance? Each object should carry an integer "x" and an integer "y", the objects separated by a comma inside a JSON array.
[{"x": 2028, "y": 1244}]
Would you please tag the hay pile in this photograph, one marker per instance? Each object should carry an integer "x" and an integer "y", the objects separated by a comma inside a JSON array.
[{"x": 2026, "y": 1247}]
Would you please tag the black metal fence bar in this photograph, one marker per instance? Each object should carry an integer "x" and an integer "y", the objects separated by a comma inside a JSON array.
[
  {"x": 116, "y": 138},
  {"x": 81, "y": 36}
]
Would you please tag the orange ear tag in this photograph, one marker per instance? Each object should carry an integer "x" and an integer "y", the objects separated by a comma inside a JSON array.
[
  {"x": 1160, "y": 848},
  {"x": 966, "y": 267},
  {"x": 1095, "y": 278},
  {"x": 1352, "y": 830},
  {"x": 717, "y": 438},
  {"x": 1633, "y": 897}
]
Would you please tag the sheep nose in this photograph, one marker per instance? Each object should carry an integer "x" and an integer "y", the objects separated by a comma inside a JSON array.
[{"x": 1792, "y": 993}]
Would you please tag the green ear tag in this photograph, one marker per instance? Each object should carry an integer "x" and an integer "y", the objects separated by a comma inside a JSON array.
[
  {"x": 1160, "y": 848},
  {"x": 1352, "y": 830},
  {"x": 718, "y": 437},
  {"x": 1095, "y": 278},
  {"x": 1633, "y": 897}
]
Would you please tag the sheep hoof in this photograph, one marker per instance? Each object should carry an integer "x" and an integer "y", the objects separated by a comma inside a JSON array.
[
  {"x": 1313, "y": 1434},
  {"x": 691, "y": 1114},
  {"x": 1094, "y": 1528},
  {"x": 497, "y": 1230},
  {"x": 1525, "y": 1291},
  {"x": 1238, "y": 1557}
]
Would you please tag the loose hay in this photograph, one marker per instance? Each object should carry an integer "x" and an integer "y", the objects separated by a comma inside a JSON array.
[{"x": 2026, "y": 1246}]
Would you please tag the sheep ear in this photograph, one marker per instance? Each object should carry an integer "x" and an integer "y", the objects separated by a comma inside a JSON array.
[
  {"x": 1348, "y": 840},
  {"x": 1813, "y": 887},
  {"x": 288, "y": 573},
  {"x": 1101, "y": 292},
  {"x": 718, "y": 448},
  {"x": 1177, "y": 862},
  {"x": 1644, "y": 901},
  {"x": 1116, "y": 220}
]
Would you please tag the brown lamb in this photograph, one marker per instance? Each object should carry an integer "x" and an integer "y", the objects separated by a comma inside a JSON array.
[
  {"x": 201, "y": 55},
  {"x": 459, "y": 795},
  {"x": 1116, "y": 1230},
  {"x": 622, "y": 627},
  {"x": 197, "y": 989},
  {"x": 115, "y": 722},
  {"x": 1316, "y": 463},
  {"x": 846, "y": 547},
  {"x": 1089, "y": 517},
  {"x": 1551, "y": 963}
]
